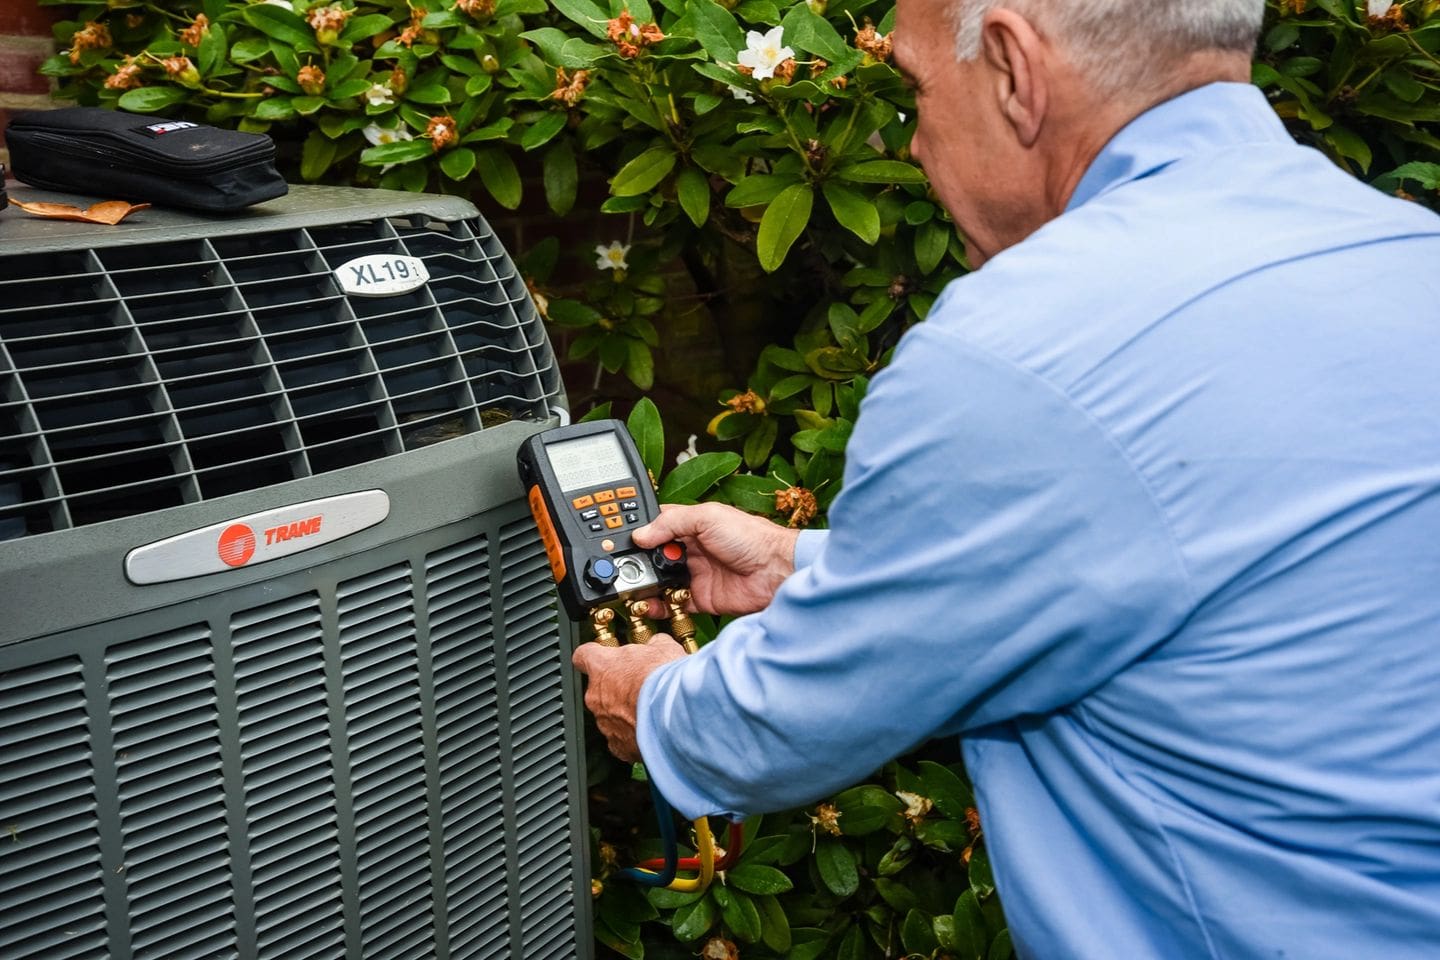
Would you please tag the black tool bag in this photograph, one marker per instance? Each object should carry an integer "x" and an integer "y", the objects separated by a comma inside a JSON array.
[{"x": 127, "y": 156}]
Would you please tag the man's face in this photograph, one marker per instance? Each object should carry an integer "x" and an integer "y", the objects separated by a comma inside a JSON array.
[{"x": 961, "y": 138}]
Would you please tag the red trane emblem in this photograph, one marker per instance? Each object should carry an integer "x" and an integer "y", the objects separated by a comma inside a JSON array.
[{"x": 237, "y": 545}]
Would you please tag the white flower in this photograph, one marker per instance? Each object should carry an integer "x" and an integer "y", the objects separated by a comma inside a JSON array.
[
  {"x": 286, "y": 4},
  {"x": 611, "y": 257},
  {"x": 740, "y": 93},
  {"x": 1378, "y": 8},
  {"x": 377, "y": 134},
  {"x": 380, "y": 95},
  {"x": 688, "y": 452},
  {"x": 763, "y": 52}
]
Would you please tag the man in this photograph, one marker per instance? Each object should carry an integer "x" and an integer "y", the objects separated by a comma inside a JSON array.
[{"x": 1147, "y": 512}]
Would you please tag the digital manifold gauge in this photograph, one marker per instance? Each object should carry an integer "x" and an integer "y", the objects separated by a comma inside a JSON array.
[{"x": 588, "y": 490}]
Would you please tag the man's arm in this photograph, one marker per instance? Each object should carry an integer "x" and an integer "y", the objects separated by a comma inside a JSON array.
[{"x": 992, "y": 555}]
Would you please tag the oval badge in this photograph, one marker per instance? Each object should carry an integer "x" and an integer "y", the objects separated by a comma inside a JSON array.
[{"x": 381, "y": 275}]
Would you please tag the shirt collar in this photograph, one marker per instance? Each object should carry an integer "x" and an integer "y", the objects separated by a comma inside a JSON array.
[{"x": 1202, "y": 120}]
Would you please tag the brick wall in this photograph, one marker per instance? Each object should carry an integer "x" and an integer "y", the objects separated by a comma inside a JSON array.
[{"x": 25, "y": 42}]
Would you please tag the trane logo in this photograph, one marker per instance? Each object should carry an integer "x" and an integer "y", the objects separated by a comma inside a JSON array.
[
  {"x": 300, "y": 528},
  {"x": 256, "y": 538},
  {"x": 237, "y": 543}
]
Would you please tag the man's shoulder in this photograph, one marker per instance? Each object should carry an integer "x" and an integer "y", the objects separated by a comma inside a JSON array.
[{"x": 1099, "y": 275}]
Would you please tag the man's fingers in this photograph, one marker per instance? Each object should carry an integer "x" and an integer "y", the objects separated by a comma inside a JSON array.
[{"x": 675, "y": 521}]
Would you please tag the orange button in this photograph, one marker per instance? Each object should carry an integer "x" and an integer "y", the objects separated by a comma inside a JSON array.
[
  {"x": 625, "y": 493},
  {"x": 614, "y": 523},
  {"x": 609, "y": 509},
  {"x": 604, "y": 496},
  {"x": 580, "y": 503}
]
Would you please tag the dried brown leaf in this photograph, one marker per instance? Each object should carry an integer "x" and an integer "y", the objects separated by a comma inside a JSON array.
[{"x": 108, "y": 212}]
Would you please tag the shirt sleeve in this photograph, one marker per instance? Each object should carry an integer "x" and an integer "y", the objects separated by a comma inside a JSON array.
[
  {"x": 992, "y": 555},
  {"x": 807, "y": 547}
]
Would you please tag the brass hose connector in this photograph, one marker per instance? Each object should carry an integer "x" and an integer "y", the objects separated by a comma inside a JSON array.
[
  {"x": 600, "y": 620},
  {"x": 680, "y": 623},
  {"x": 640, "y": 631}
]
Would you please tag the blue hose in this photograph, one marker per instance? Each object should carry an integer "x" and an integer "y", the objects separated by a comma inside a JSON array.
[{"x": 666, "y": 820}]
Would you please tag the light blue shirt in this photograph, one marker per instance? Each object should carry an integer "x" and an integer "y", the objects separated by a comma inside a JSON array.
[{"x": 1147, "y": 512}]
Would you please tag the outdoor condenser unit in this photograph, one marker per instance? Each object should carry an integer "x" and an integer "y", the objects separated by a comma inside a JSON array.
[{"x": 281, "y": 669}]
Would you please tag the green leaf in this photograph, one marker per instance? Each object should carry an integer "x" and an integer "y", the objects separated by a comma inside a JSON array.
[
  {"x": 945, "y": 931},
  {"x": 759, "y": 443},
  {"x": 498, "y": 173},
  {"x": 649, "y": 434},
  {"x": 759, "y": 188},
  {"x": 212, "y": 49},
  {"x": 853, "y": 211},
  {"x": 1349, "y": 144},
  {"x": 692, "y": 920},
  {"x": 982, "y": 879},
  {"x": 363, "y": 28},
  {"x": 629, "y": 949},
  {"x": 561, "y": 176},
  {"x": 917, "y": 933},
  {"x": 739, "y": 913},
  {"x": 1001, "y": 948},
  {"x": 689, "y": 481},
  {"x": 896, "y": 894},
  {"x": 316, "y": 155},
  {"x": 693, "y": 190},
  {"x": 401, "y": 151},
  {"x": 643, "y": 172},
  {"x": 284, "y": 25},
  {"x": 753, "y": 495},
  {"x": 542, "y": 131},
  {"x": 946, "y": 790},
  {"x": 1400, "y": 82},
  {"x": 783, "y": 222},
  {"x": 882, "y": 171},
  {"x": 866, "y": 808},
  {"x": 853, "y": 946},
  {"x": 458, "y": 163},
  {"x": 589, "y": 16},
  {"x": 640, "y": 364},
  {"x": 251, "y": 48},
  {"x": 837, "y": 868},
  {"x": 662, "y": 898},
  {"x": 970, "y": 938},
  {"x": 572, "y": 313},
  {"x": 433, "y": 94},
  {"x": 150, "y": 99},
  {"x": 951, "y": 836},
  {"x": 716, "y": 29},
  {"x": 757, "y": 878},
  {"x": 305, "y": 106},
  {"x": 774, "y": 925},
  {"x": 931, "y": 240}
]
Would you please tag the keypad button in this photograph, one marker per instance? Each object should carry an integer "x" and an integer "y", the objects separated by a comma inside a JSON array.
[
  {"x": 630, "y": 505},
  {"x": 623, "y": 492},
  {"x": 580, "y": 503},
  {"x": 604, "y": 496},
  {"x": 632, "y": 518},
  {"x": 589, "y": 514},
  {"x": 596, "y": 527},
  {"x": 609, "y": 509},
  {"x": 614, "y": 523}
]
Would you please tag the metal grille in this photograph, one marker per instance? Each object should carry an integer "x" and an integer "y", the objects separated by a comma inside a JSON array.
[
  {"x": 362, "y": 766},
  {"x": 50, "y": 872},
  {"x": 538, "y": 733},
  {"x": 139, "y": 377}
]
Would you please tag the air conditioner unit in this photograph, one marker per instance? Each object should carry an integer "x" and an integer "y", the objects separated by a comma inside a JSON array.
[{"x": 281, "y": 669}]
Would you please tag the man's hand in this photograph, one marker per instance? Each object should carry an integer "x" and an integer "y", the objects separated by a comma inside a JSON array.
[
  {"x": 616, "y": 675},
  {"x": 737, "y": 561}
]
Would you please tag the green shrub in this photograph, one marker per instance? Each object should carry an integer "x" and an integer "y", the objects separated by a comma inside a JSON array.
[{"x": 791, "y": 210}]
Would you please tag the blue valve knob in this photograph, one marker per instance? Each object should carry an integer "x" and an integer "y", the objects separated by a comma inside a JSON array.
[{"x": 600, "y": 573}]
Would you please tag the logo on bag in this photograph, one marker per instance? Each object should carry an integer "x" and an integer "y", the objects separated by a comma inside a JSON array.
[
  {"x": 156, "y": 130},
  {"x": 237, "y": 545}
]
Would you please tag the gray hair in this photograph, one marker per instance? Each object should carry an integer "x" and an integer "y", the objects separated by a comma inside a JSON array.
[{"x": 1118, "y": 42}]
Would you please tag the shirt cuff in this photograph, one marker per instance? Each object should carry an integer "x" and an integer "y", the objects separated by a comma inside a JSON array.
[
  {"x": 807, "y": 547},
  {"x": 650, "y": 708}
]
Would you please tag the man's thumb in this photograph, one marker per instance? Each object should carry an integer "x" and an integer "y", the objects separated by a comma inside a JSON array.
[{"x": 673, "y": 523}]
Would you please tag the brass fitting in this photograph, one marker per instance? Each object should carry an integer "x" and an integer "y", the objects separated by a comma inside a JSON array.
[
  {"x": 680, "y": 623},
  {"x": 640, "y": 631},
  {"x": 600, "y": 619}
]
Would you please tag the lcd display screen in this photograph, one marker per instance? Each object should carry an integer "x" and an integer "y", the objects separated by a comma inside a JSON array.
[{"x": 588, "y": 462}]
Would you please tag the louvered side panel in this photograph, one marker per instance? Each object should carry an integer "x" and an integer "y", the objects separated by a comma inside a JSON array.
[
  {"x": 382, "y": 712},
  {"x": 51, "y": 901},
  {"x": 172, "y": 814},
  {"x": 289, "y": 789},
  {"x": 538, "y": 739},
  {"x": 457, "y": 597}
]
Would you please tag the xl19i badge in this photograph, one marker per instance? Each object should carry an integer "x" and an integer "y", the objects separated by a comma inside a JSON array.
[{"x": 256, "y": 538}]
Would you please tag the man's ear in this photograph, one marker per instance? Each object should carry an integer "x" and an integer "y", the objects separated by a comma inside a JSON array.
[{"x": 1017, "y": 57}]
